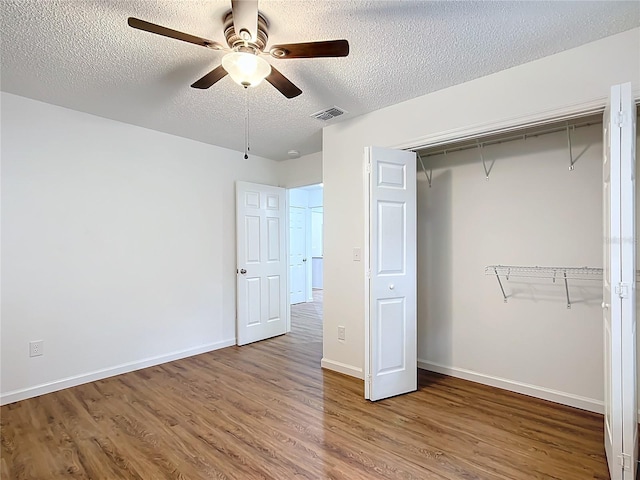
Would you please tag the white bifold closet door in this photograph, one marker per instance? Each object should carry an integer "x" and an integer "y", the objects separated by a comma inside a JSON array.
[
  {"x": 619, "y": 286},
  {"x": 391, "y": 364}
]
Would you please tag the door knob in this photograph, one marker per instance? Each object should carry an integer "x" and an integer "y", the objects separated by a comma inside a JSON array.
[
  {"x": 304, "y": 259},
  {"x": 391, "y": 286},
  {"x": 605, "y": 306},
  {"x": 243, "y": 271}
]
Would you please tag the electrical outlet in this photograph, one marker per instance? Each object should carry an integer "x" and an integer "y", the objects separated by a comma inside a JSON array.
[
  {"x": 341, "y": 333},
  {"x": 36, "y": 348}
]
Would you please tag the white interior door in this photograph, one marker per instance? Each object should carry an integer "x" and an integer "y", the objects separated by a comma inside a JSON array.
[
  {"x": 261, "y": 260},
  {"x": 297, "y": 254},
  {"x": 390, "y": 262},
  {"x": 621, "y": 423}
]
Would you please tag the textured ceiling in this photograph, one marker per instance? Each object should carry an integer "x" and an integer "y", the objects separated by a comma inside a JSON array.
[{"x": 82, "y": 55}]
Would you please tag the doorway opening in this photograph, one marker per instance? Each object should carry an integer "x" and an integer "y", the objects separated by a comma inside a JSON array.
[
  {"x": 305, "y": 242},
  {"x": 305, "y": 248}
]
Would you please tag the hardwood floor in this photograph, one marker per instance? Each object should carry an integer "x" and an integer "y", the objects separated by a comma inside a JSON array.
[{"x": 267, "y": 410}]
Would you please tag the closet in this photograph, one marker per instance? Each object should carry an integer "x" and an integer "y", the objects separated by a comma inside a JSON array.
[
  {"x": 526, "y": 210},
  {"x": 518, "y": 199}
]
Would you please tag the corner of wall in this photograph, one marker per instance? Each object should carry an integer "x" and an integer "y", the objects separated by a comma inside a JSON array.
[{"x": 300, "y": 172}]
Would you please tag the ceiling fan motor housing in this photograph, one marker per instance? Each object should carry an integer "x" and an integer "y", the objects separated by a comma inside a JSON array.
[{"x": 236, "y": 42}]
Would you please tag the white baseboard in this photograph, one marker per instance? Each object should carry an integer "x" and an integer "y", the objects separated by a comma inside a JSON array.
[
  {"x": 68, "y": 382},
  {"x": 342, "y": 368},
  {"x": 556, "y": 396}
]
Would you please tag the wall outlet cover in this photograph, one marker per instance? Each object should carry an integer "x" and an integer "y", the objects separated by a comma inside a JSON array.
[{"x": 36, "y": 348}]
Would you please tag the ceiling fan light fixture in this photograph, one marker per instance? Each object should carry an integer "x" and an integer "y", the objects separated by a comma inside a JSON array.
[{"x": 246, "y": 69}]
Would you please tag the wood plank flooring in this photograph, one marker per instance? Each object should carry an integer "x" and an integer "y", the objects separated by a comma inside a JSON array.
[{"x": 267, "y": 411}]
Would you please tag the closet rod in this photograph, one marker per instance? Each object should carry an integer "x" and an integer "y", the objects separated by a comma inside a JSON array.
[{"x": 510, "y": 138}]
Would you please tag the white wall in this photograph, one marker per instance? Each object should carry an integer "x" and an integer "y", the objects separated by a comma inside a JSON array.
[
  {"x": 566, "y": 82},
  {"x": 118, "y": 245},
  {"x": 300, "y": 172}
]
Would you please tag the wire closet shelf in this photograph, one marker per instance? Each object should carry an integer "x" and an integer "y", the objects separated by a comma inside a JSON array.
[
  {"x": 563, "y": 274},
  {"x": 575, "y": 273}
]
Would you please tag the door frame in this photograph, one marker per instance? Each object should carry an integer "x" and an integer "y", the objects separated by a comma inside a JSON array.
[
  {"x": 287, "y": 246},
  {"x": 366, "y": 253}
]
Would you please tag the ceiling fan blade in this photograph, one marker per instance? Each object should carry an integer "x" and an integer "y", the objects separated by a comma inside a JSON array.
[
  {"x": 210, "y": 78},
  {"x": 245, "y": 18},
  {"x": 283, "y": 84},
  {"x": 329, "y": 48},
  {"x": 167, "y": 32}
]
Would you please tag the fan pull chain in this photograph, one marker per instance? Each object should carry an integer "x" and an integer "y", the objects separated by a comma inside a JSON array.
[{"x": 246, "y": 123}]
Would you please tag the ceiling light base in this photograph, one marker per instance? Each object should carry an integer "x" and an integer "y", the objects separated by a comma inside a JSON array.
[{"x": 246, "y": 69}]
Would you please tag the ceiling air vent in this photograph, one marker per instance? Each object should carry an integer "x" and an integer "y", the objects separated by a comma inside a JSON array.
[{"x": 328, "y": 113}]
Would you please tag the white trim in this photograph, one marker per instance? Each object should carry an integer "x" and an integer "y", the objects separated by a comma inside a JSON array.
[
  {"x": 287, "y": 234},
  {"x": 556, "y": 396},
  {"x": 342, "y": 368},
  {"x": 76, "y": 380},
  {"x": 366, "y": 180},
  {"x": 507, "y": 124}
]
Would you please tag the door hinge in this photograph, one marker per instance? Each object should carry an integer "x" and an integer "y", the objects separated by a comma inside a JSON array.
[
  {"x": 622, "y": 290},
  {"x": 367, "y": 167},
  {"x": 619, "y": 119},
  {"x": 625, "y": 461},
  {"x": 369, "y": 379},
  {"x": 368, "y": 273}
]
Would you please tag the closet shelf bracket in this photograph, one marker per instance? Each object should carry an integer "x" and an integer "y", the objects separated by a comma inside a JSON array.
[
  {"x": 499, "y": 283},
  {"x": 572, "y": 161},
  {"x": 428, "y": 175},
  {"x": 566, "y": 289},
  {"x": 487, "y": 171}
]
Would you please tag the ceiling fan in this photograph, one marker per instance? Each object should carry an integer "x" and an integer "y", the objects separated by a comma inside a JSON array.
[{"x": 246, "y": 32}]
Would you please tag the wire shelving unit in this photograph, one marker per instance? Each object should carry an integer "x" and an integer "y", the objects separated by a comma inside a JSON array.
[{"x": 558, "y": 274}]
